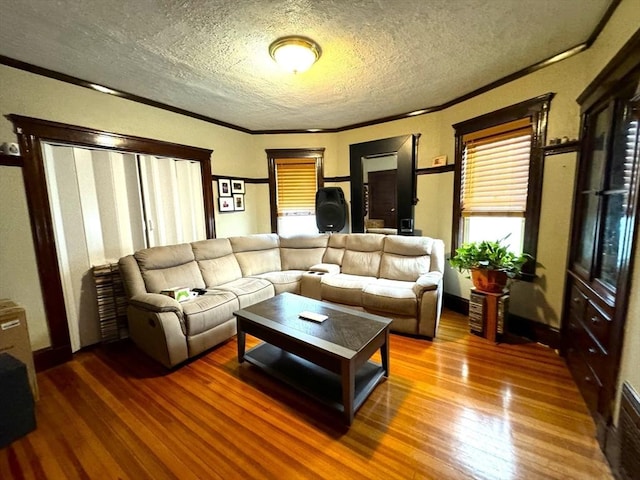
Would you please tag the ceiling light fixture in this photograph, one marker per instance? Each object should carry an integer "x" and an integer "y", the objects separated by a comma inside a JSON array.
[{"x": 295, "y": 54}]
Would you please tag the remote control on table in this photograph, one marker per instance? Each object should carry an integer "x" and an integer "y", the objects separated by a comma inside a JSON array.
[{"x": 316, "y": 317}]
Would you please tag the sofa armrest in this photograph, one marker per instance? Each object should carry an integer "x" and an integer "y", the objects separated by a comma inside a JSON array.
[
  {"x": 325, "y": 268},
  {"x": 156, "y": 302},
  {"x": 427, "y": 281}
]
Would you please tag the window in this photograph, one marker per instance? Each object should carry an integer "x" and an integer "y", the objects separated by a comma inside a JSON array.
[
  {"x": 498, "y": 175},
  {"x": 296, "y": 186},
  {"x": 294, "y": 177}
]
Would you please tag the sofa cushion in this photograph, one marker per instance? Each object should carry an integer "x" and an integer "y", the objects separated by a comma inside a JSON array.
[
  {"x": 335, "y": 248},
  {"x": 301, "y": 251},
  {"x": 257, "y": 254},
  {"x": 344, "y": 288},
  {"x": 405, "y": 258},
  {"x": 285, "y": 281},
  {"x": 390, "y": 296},
  {"x": 216, "y": 261},
  {"x": 362, "y": 255},
  {"x": 249, "y": 290},
  {"x": 209, "y": 310},
  {"x": 172, "y": 266}
]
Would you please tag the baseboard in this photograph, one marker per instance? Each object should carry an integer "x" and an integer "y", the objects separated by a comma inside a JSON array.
[
  {"x": 50, "y": 357},
  {"x": 455, "y": 303},
  {"x": 535, "y": 331},
  {"x": 516, "y": 325}
]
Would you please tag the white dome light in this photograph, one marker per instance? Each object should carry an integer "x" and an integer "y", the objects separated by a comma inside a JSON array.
[{"x": 295, "y": 54}]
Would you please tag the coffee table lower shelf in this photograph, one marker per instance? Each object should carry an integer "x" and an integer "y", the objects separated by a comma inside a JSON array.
[{"x": 313, "y": 380}]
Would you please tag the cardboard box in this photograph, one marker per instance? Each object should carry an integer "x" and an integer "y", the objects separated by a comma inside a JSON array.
[
  {"x": 14, "y": 338},
  {"x": 180, "y": 294}
]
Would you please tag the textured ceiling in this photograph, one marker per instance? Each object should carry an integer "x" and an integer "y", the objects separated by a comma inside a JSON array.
[{"x": 380, "y": 57}]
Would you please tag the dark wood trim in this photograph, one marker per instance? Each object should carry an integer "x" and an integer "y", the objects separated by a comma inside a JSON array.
[
  {"x": 534, "y": 331},
  {"x": 11, "y": 160},
  {"x": 537, "y": 109},
  {"x": 90, "y": 137},
  {"x": 45, "y": 72},
  {"x": 516, "y": 325},
  {"x": 275, "y": 153},
  {"x": 346, "y": 178},
  {"x": 215, "y": 178},
  {"x": 31, "y": 132},
  {"x": 431, "y": 170},
  {"x": 455, "y": 303},
  {"x": 626, "y": 60},
  {"x": 602, "y": 23},
  {"x": 567, "y": 147},
  {"x": 405, "y": 148},
  {"x": 50, "y": 357},
  {"x": 45, "y": 248}
]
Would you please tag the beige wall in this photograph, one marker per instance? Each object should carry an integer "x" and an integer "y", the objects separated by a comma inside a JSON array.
[{"x": 241, "y": 155}]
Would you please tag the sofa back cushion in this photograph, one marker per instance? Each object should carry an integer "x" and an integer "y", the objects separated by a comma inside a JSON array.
[
  {"x": 302, "y": 251},
  {"x": 257, "y": 254},
  {"x": 169, "y": 267},
  {"x": 405, "y": 258},
  {"x": 362, "y": 254},
  {"x": 335, "y": 248},
  {"x": 216, "y": 261}
]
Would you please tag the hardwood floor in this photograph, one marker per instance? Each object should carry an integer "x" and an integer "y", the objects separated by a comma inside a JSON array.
[{"x": 454, "y": 408}]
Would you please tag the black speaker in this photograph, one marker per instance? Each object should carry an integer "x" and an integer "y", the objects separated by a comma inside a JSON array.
[
  {"x": 17, "y": 416},
  {"x": 331, "y": 209}
]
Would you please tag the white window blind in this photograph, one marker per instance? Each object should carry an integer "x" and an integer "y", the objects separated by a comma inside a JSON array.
[
  {"x": 296, "y": 186},
  {"x": 495, "y": 170}
]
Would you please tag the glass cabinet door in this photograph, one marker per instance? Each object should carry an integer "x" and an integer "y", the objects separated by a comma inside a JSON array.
[
  {"x": 617, "y": 212},
  {"x": 591, "y": 187}
]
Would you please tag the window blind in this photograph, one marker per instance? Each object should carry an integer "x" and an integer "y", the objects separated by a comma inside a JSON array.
[
  {"x": 495, "y": 170},
  {"x": 296, "y": 186}
]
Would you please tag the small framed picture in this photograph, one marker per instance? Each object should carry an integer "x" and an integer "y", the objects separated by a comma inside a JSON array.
[
  {"x": 237, "y": 186},
  {"x": 225, "y": 204},
  {"x": 224, "y": 187},
  {"x": 439, "y": 161},
  {"x": 238, "y": 202}
]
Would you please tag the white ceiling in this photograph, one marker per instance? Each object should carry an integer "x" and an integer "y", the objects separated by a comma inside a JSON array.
[{"x": 380, "y": 57}]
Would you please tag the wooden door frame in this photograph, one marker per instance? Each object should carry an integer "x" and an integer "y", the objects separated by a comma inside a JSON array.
[
  {"x": 275, "y": 153},
  {"x": 31, "y": 133}
]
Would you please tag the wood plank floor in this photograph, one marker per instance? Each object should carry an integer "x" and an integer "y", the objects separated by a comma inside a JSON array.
[{"x": 454, "y": 408}]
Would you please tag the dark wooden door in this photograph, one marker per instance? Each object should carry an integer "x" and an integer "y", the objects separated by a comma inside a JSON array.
[{"x": 383, "y": 197}]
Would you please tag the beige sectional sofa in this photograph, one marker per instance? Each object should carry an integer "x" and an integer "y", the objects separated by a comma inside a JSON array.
[{"x": 395, "y": 276}]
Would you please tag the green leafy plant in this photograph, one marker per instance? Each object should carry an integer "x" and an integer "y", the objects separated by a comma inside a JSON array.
[{"x": 489, "y": 255}]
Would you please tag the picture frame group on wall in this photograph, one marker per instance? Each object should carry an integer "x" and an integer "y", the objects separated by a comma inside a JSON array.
[{"x": 231, "y": 195}]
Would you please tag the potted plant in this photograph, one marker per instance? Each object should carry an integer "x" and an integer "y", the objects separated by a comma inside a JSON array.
[{"x": 491, "y": 264}]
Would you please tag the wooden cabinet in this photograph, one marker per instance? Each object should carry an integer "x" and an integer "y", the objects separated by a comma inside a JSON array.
[{"x": 603, "y": 233}]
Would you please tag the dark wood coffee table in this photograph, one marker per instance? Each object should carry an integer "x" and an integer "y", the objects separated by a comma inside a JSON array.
[{"x": 328, "y": 360}]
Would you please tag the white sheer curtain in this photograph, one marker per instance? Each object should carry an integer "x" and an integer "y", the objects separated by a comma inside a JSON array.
[
  {"x": 101, "y": 203},
  {"x": 173, "y": 202}
]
